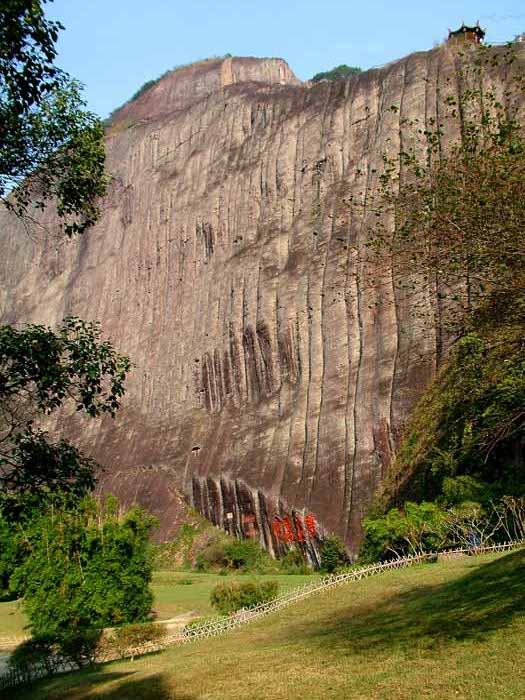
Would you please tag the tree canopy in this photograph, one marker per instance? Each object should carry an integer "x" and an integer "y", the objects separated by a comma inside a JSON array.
[
  {"x": 86, "y": 567},
  {"x": 40, "y": 369},
  {"x": 342, "y": 71},
  {"x": 51, "y": 151},
  {"x": 450, "y": 216},
  {"x": 51, "y": 147}
]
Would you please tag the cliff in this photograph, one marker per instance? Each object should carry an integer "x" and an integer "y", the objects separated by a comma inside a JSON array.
[{"x": 275, "y": 366}]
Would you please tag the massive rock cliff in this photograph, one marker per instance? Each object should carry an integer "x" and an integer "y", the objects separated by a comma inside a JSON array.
[{"x": 274, "y": 366}]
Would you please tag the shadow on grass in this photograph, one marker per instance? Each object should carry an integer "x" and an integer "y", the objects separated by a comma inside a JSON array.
[
  {"x": 85, "y": 685},
  {"x": 469, "y": 608},
  {"x": 154, "y": 687}
]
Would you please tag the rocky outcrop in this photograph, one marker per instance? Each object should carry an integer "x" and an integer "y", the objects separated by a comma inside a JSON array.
[
  {"x": 274, "y": 364},
  {"x": 183, "y": 87}
]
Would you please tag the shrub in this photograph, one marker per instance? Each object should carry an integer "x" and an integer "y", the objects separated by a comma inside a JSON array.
[
  {"x": 333, "y": 554},
  {"x": 212, "y": 556},
  {"x": 294, "y": 562},
  {"x": 342, "y": 71},
  {"x": 79, "y": 646},
  {"x": 229, "y": 597},
  {"x": 245, "y": 555},
  {"x": 130, "y": 636},
  {"x": 87, "y": 567},
  {"x": 241, "y": 555}
]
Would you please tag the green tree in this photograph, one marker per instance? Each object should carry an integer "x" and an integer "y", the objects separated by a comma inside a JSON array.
[
  {"x": 413, "y": 529},
  {"x": 40, "y": 369},
  {"x": 87, "y": 567},
  {"x": 450, "y": 214},
  {"x": 458, "y": 204},
  {"x": 464, "y": 439},
  {"x": 342, "y": 71},
  {"x": 333, "y": 554},
  {"x": 51, "y": 148},
  {"x": 10, "y": 555}
]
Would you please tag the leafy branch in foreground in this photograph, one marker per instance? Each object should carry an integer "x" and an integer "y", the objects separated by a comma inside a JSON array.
[
  {"x": 27, "y": 52},
  {"x": 54, "y": 153},
  {"x": 458, "y": 208},
  {"x": 70, "y": 362},
  {"x": 40, "y": 369},
  {"x": 51, "y": 148}
]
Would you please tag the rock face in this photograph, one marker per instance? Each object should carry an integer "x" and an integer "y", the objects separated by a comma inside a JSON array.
[{"x": 274, "y": 365}]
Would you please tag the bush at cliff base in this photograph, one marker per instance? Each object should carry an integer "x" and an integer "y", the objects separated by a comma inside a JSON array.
[
  {"x": 333, "y": 554},
  {"x": 224, "y": 553},
  {"x": 294, "y": 563}
]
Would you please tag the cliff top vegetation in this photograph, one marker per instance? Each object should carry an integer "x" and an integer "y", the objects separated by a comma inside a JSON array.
[{"x": 342, "y": 71}]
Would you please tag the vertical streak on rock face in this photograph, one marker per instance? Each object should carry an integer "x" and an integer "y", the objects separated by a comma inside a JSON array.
[{"x": 275, "y": 362}]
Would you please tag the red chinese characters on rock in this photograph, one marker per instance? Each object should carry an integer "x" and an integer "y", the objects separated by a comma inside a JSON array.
[
  {"x": 292, "y": 529},
  {"x": 289, "y": 535},
  {"x": 309, "y": 521},
  {"x": 299, "y": 528}
]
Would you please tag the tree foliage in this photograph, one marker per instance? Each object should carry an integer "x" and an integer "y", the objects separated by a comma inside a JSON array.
[
  {"x": 450, "y": 215},
  {"x": 51, "y": 148},
  {"x": 50, "y": 366},
  {"x": 467, "y": 432},
  {"x": 342, "y": 71},
  {"x": 40, "y": 369},
  {"x": 11, "y": 555},
  {"x": 458, "y": 204},
  {"x": 429, "y": 527},
  {"x": 413, "y": 529},
  {"x": 333, "y": 554},
  {"x": 44, "y": 654},
  {"x": 27, "y": 53},
  {"x": 87, "y": 567}
]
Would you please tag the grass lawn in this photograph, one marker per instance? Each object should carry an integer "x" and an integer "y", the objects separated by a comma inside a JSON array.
[
  {"x": 440, "y": 631},
  {"x": 171, "y": 598},
  {"x": 12, "y": 619}
]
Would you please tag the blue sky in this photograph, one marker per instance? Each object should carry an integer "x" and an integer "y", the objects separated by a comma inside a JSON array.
[{"x": 113, "y": 46}]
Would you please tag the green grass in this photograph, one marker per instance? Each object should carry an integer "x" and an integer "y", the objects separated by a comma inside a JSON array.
[
  {"x": 173, "y": 599},
  {"x": 448, "y": 630},
  {"x": 12, "y": 619}
]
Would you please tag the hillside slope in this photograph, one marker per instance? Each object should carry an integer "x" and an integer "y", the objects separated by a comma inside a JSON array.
[{"x": 433, "y": 631}]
